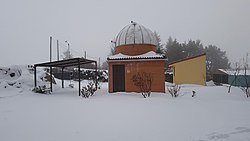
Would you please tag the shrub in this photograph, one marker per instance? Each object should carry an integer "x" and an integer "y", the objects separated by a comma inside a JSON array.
[
  {"x": 174, "y": 90},
  {"x": 144, "y": 82},
  {"x": 88, "y": 90}
]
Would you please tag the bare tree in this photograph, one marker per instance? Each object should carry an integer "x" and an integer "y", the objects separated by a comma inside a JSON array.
[
  {"x": 246, "y": 80},
  {"x": 236, "y": 73},
  {"x": 144, "y": 82}
]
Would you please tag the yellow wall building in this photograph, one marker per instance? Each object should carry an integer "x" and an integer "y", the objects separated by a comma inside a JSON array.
[{"x": 190, "y": 70}]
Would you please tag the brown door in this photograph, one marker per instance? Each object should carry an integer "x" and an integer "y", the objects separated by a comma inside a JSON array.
[{"x": 118, "y": 78}]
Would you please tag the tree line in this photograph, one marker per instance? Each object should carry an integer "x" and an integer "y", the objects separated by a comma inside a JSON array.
[{"x": 174, "y": 51}]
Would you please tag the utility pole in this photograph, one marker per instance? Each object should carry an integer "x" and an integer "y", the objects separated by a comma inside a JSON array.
[
  {"x": 85, "y": 54},
  {"x": 50, "y": 61},
  {"x": 99, "y": 63},
  {"x": 67, "y": 43},
  {"x": 68, "y": 51},
  {"x": 57, "y": 43}
]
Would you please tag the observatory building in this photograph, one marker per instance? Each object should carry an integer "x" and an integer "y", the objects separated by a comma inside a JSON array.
[{"x": 135, "y": 61}]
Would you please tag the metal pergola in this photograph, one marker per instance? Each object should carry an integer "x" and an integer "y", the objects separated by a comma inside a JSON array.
[{"x": 66, "y": 63}]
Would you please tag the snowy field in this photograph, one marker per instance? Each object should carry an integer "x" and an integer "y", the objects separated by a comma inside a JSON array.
[{"x": 212, "y": 115}]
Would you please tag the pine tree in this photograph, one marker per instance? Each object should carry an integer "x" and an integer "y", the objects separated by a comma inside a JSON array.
[
  {"x": 159, "y": 46},
  {"x": 174, "y": 50},
  {"x": 216, "y": 59}
]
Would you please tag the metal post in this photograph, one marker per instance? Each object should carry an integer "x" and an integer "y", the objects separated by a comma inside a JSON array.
[
  {"x": 50, "y": 48},
  {"x": 96, "y": 75},
  {"x": 35, "y": 75},
  {"x": 99, "y": 63},
  {"x": 57, "y": 43},
  {"x": 62, "y": 78},
  {"x": 51, "y": 79},
  {"x": 79, "y": 75}
]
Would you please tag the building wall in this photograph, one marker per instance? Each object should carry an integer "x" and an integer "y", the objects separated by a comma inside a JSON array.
[
  {"x": 220, "y": 78},
  {"x": 135, "y": 49},
  {"x": 192, "y": 71},
  {"x": 156, "y": 68}
]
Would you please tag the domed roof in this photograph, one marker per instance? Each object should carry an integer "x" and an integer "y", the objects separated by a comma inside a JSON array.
[{"x": 135, "y": 33}]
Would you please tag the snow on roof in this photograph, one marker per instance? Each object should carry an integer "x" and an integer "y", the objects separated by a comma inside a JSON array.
[
  {"x": 148, "y": 55},
  {"x": 231, "y": 72}
]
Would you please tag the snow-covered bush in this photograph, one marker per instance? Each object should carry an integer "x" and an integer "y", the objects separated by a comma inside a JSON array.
[
  {"x": 174, "y": 90},
  {"x": 88, "y": 90},
  {"x": 144, "y": 82},
  {"x": 46, "y": 77},
  {"x": 10, "y": 73},
  {"x": 41, "y": 89}
]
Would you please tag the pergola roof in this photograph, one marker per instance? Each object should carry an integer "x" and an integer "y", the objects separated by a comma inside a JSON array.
[{"x": 66, "y": 63}]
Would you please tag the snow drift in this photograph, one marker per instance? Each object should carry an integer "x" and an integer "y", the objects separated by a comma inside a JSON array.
[{"x": 20, "y": 77}]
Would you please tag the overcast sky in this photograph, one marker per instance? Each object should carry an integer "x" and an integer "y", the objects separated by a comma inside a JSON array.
[{"x": 26, "y": 25}]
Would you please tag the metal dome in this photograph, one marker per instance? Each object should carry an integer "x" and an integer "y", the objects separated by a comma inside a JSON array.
[{"x": 135, "y": 33}]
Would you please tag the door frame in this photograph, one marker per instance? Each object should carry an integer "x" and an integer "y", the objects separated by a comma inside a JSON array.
[{"x": 122, "y": 78}]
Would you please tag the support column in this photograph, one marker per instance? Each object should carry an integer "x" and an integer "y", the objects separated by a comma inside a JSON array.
[
  {"x": 35, "y": 76},
  {"x": 79, "y": 75},
  {"x": 96, "y": 75},
  {"x": 62, "y": 77},
  {"x": 51, "y": 79}
]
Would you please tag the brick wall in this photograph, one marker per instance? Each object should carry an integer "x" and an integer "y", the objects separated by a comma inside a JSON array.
[
  {"x": 155, "y": 67},
  {"x": 135, "y": 49}
]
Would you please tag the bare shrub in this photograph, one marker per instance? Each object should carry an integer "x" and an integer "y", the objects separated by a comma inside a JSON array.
[
  {"x": 193, "y": 93},
  {"x": 144, "y": 82},
  {"x": 246, "y": 91},
  {"x": 174, "y": 90},
  {"x": 89, "y": 90}
]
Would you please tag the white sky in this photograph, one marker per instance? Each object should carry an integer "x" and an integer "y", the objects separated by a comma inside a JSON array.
[{"x": 25, "y": 25}]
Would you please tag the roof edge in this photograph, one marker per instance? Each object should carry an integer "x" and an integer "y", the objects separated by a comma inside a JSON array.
[{"x": 185, "y": 59}]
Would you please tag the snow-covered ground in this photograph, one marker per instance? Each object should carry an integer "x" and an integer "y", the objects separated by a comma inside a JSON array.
[{"x": 212, "y": 114}]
